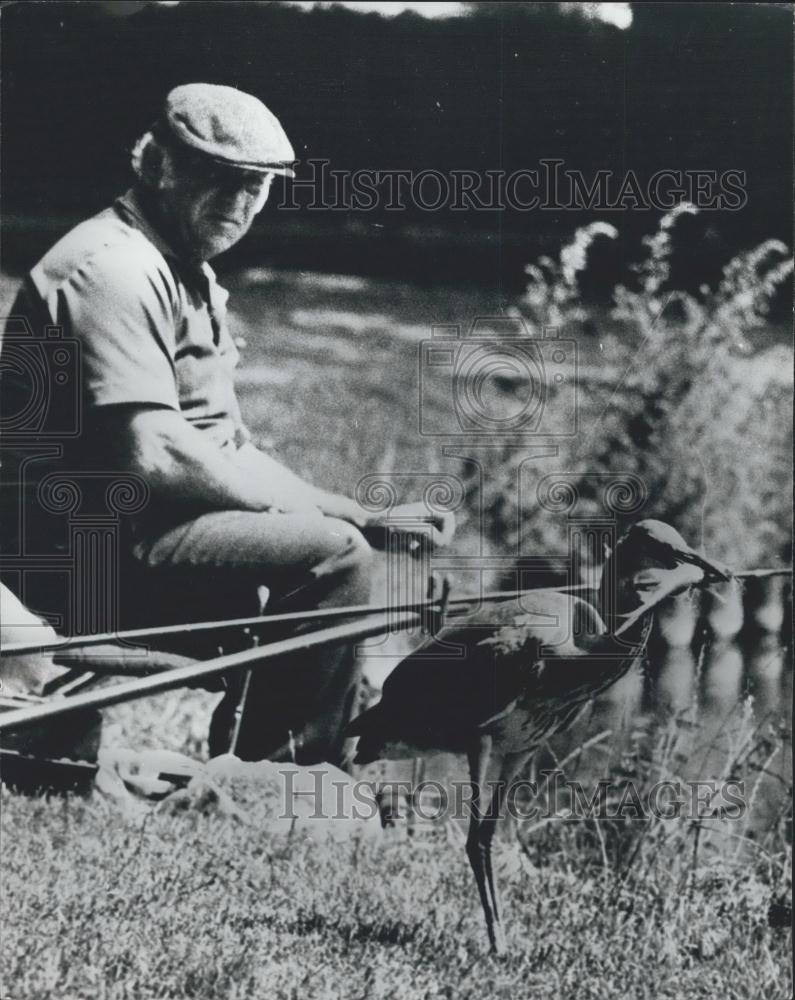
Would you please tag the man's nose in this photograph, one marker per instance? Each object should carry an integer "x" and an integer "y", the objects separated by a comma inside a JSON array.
[
  {"x": 233, "y": 200},
  {"x": 231, "y": 191}
]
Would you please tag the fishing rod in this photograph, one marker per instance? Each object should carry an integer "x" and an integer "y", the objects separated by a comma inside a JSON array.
[
  {"x": 23, "y": 718},
  {"x": 257, "y": 622},
  {"x": 253, "y": 658}
]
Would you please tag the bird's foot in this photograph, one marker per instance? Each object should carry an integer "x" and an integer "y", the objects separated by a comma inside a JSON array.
[{"x": 497, "y": 940}]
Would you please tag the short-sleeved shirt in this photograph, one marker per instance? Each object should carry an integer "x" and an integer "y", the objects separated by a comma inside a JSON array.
[
  {"x": 152, "y": 327},
  {"x": 151, "y": 330}
]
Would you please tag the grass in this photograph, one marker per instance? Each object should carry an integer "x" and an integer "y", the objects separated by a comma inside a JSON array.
[
  {"x": 98, "y": 905},
  {"x": 190, "y": 906}
]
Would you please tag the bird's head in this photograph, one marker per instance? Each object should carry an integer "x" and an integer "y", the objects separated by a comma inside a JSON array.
[{"x": 650, "y": 562}]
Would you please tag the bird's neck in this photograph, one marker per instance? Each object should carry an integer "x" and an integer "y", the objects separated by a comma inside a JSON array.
[
  {"x": 634, "y": 634},
  {"x": 615, "y": 604}
]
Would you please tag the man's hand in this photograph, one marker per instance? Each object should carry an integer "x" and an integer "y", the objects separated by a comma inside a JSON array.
[
  {"x": 288, "y": 504},
  {"x": 412, "y": 521}
]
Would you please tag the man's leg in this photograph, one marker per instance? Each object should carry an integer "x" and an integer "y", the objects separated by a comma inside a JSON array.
[{"x": 300, "y": 703}]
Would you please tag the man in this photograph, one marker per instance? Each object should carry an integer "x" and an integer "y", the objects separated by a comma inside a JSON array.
[{"x": 133, "y": 287}]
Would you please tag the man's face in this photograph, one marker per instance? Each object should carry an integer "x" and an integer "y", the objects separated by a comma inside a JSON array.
[{"x": 208, "y": 207}]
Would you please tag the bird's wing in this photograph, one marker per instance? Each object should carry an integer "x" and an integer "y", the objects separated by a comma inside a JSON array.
[{"x": 474, "y": 671}]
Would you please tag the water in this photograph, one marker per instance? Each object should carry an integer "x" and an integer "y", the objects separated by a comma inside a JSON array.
[{"x": 715, "y": 711}]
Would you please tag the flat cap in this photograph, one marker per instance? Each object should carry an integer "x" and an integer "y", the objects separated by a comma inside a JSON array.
[{"x": 231, "y": 127}]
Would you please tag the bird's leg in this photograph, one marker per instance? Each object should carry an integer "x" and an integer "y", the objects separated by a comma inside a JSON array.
[
  {"x": 481, "y": 842},
  {"x": 481, "y": 831},
  {"x": 478, "y": 765}
]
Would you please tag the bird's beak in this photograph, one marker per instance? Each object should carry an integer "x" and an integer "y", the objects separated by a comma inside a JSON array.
[
  {"x": 713, "y": 571},
  {"x": 668, "y": 584}
]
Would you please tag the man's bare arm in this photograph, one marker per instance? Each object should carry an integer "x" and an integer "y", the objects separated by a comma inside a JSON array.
[
  {"x": 414, "y": 520},
  {"x": 181, "y": 465},
  {"x": 299, "y": 490}
]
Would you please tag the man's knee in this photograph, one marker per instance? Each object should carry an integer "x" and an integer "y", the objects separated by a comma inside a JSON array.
[
  {"x": 362, "y": 550},
  {"x": 353, "y": 547},
  {"x": 347, "y": 571}
]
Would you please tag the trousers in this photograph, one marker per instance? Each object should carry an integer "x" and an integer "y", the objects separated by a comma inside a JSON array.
[{"x": 298, "y": 706}]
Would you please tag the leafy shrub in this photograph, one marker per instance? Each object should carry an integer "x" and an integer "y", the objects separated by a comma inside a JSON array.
[{"x": 687, "y": 403}]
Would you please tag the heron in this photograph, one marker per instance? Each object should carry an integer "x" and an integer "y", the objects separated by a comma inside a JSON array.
[{"x": 522, "y": 673}]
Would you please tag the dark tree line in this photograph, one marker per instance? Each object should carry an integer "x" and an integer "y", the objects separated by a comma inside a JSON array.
[{"x": 687, "y": 87}]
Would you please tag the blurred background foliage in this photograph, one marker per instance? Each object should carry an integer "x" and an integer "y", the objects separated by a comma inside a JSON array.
[{"x": 699, "y": 402}]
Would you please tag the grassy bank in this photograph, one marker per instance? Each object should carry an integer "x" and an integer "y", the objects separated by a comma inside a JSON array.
[{"x": 189, "y": 906}]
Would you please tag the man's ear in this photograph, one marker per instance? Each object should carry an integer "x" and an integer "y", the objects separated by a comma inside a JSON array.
[
  {"x": 154, "y": 163},
  {"x": 149, "y": 160}
]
